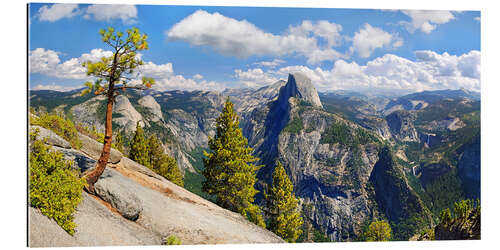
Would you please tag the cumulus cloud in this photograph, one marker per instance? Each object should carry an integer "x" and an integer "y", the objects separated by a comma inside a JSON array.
[
  {"x": 107, "y": 12},
  {"x": 369, "y": 38},
  {"x": 57, "y": 11},
  {"x": 478, "y": 18},
  {"x": 47, "y": 62},
  {"x": 254, "y": 77},
  {"x": 242, "y": 39},
  {"x": 430, "y": 71},
  {"x": 426, "y": 20}
]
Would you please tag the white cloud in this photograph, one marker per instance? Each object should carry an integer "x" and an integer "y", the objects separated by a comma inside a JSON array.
[
  {"x": 426, "y": 20},
  {"x": 57, "y": 11},
  {"x": 431, "y": 71},
  {"x": 47, "y": 62},
  {"x": 369, "y": 38},
  {"x": 241, "y": 39},
  {"x": 478, "y": 18},
  {"x": 156, "y": 70},
  {"x": 324, "y": 29},
  {"x": 107, "y": 12},
  {"x": 254, "y": 77},
  {"x": 270, "y": 64}
]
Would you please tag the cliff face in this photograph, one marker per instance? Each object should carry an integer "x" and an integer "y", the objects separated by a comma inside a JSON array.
[
  {"x": 401, "y": 125},
  {"x": 395, "y": 198},
  {"x": 469, "y": 167},
  {"x": 329, "y": 178}
]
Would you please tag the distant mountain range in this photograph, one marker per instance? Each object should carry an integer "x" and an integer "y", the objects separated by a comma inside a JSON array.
[{"x": 352, "y": 157}]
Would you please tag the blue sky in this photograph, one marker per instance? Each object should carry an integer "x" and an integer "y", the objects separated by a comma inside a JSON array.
[{"x": 213, "y": 48}]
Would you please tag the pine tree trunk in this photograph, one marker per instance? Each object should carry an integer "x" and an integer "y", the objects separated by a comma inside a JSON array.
[{"x": 93, "y": 176}]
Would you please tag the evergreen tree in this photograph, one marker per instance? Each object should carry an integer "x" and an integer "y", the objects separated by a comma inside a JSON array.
[
  {"x": 379, "y": 230},
  {"x": 112, "y": 75},
  {"x": 138, "y": 147},
  {"x": 230, "y": 171},
  {"x": 282, "y": 206},
  {"x": 163, "y": 164}
]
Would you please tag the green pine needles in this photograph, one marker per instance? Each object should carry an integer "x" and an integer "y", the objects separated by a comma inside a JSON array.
[
  {"x": 285, "y": 220},
  {"x": 379, "y": 230},
  {"x": 150, "y": 153},
  {"x": 230, "y": 171},
  {"x": 163, "y": 164},
  {"x": 139, "y": 148}
]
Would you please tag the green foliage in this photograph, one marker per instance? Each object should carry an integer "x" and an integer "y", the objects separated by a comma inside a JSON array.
[
  {"x": 62, "y": 127},
  {"x": 378, "y": 231},
  {"x": 445, "y": 215},
  {"x": 343, "y": 134},
  {"x": 282, "y": 205},
  {"x": 54, "y": 187},
  {"x": 116, "y": 67},
  {"x": 407, "y": 228},
  {"x": 294, "y": 126},
  {"x": 139, "y": 148},
  {"x": 163, "y": 164},
  {"x": 173, "y": 240},
  {"x": 230, "y": 171},
  {"x": 464, "y": 223},
  {"x": 443, "y": 192}
]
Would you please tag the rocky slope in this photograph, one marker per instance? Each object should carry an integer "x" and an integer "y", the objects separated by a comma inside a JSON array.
[{"x": 135, "y": 206}]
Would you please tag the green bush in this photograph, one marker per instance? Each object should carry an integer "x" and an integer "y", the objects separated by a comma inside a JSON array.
[
  {"x": 294, "y": 126},
  {"x": 173, "y": 240},
  {"x": 62, "y": 127},
  {"x": 54, "y": 187}
]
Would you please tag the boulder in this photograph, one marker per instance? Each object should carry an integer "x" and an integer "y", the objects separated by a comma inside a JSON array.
[
  {"x": 80, "y": 161},
  {"x": 94, "y": 149},
  {"x": 52, "y": 138},
  {"x": 115, "y": 189}
]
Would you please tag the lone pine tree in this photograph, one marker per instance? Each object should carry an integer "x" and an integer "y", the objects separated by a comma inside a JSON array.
[
  {"x": 230, "y": 171},
  {"x": 113, "y": 75},
  {"x": 282, "y": 205}
]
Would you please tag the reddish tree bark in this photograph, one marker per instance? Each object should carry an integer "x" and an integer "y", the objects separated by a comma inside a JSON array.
[{"x": 94, "y": 175}]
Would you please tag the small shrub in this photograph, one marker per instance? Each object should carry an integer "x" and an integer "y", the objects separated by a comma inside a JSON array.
[
  {"x": 54, "y": 187},
  {"x": 62, "y": 127},
  {"x": 173, "y": 240}
]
